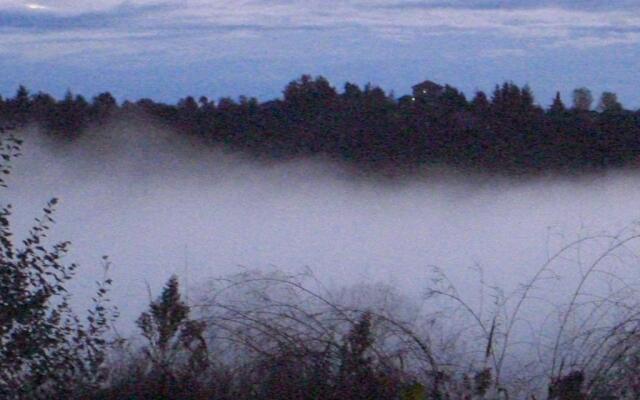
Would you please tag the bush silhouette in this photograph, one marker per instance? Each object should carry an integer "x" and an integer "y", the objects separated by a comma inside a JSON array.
[{"x": 45, "y": 348}]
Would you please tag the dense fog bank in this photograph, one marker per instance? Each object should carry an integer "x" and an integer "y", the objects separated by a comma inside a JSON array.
[{"x": 160, "y": 204}]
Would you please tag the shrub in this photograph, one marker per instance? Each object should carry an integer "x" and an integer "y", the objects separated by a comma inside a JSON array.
[{"x": 46, "y": 350}]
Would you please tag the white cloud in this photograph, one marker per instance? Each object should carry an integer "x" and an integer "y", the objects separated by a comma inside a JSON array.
[
  {"x": 187, "y": 21},
  {"x": 34, "y": 6},
  {"x": 73, "y": 7},
  {"x": 586, "y": 42},
  {"x": 547, "y": 22}
]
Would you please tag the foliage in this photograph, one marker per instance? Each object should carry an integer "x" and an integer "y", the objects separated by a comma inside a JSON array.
[
  {"x": 9, "y": 149},
  {"x": 505, "y": 132},
  {"x": 176, "y": 349},
  {"x": 273, "y": 336},
  {"x": 44, "y": 346},
  {"x": 582, "y": 99}
]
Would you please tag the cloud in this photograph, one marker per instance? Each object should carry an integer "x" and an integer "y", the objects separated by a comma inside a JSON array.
[
  {"x": 42, "y": 18},
  {"x": 75, "y": 7},
  {"x": 585, "y": 5},
  {"x": 587, "y": 42},
  {"x": 175, "y": 24},
  {"x": 500, "y": 52},
  {"x": 538, "y": 22}
]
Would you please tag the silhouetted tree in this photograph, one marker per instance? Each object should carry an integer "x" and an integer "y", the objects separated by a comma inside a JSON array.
[
  {"x": 102, "y": 107},
  {"x": 609, "y": 103},
  {"x": 20, "y": 106},
  {"x": 557, "y": 107},
  {"x": 310, "y": 106},
  {"x": 43, "y": 108},
  {"x": 175, "y": 343},
  {"x": 69, "y": 117},
  {"x": 582, "y": 99}
]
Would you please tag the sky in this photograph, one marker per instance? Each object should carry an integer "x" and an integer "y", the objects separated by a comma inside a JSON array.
[{"x": 168, "y": 49}]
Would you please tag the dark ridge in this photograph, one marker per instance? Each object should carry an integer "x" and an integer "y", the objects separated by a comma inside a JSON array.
[{"x": 370, "y": 129}]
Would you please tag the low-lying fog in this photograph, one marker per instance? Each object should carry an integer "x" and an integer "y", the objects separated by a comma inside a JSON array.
[{"x": 159, "y": 205}]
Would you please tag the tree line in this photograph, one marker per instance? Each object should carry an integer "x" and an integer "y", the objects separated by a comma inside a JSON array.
[{"x": 505, "y": 131}]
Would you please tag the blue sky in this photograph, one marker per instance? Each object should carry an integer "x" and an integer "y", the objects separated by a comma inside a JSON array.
[{"x": 168, "y": 49}]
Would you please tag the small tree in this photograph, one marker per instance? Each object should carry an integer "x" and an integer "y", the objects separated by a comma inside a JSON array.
[
  {"x": 45, "y": 350},
  {"x": 172, "y": 339},
  {"x": 558, "y": 106},
  {"x": 609, "y": 102},
  {"x": 360, "y": 374},
  {"x": 582, "y": 99}
]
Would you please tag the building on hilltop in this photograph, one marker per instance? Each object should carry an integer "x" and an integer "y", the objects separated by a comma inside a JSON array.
[{"x": 427, "y": 90}]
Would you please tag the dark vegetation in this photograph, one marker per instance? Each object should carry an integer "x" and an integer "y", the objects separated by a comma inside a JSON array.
[
  {"x": 506, "y": 131},
  {"x": 44, "y": 345}
]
